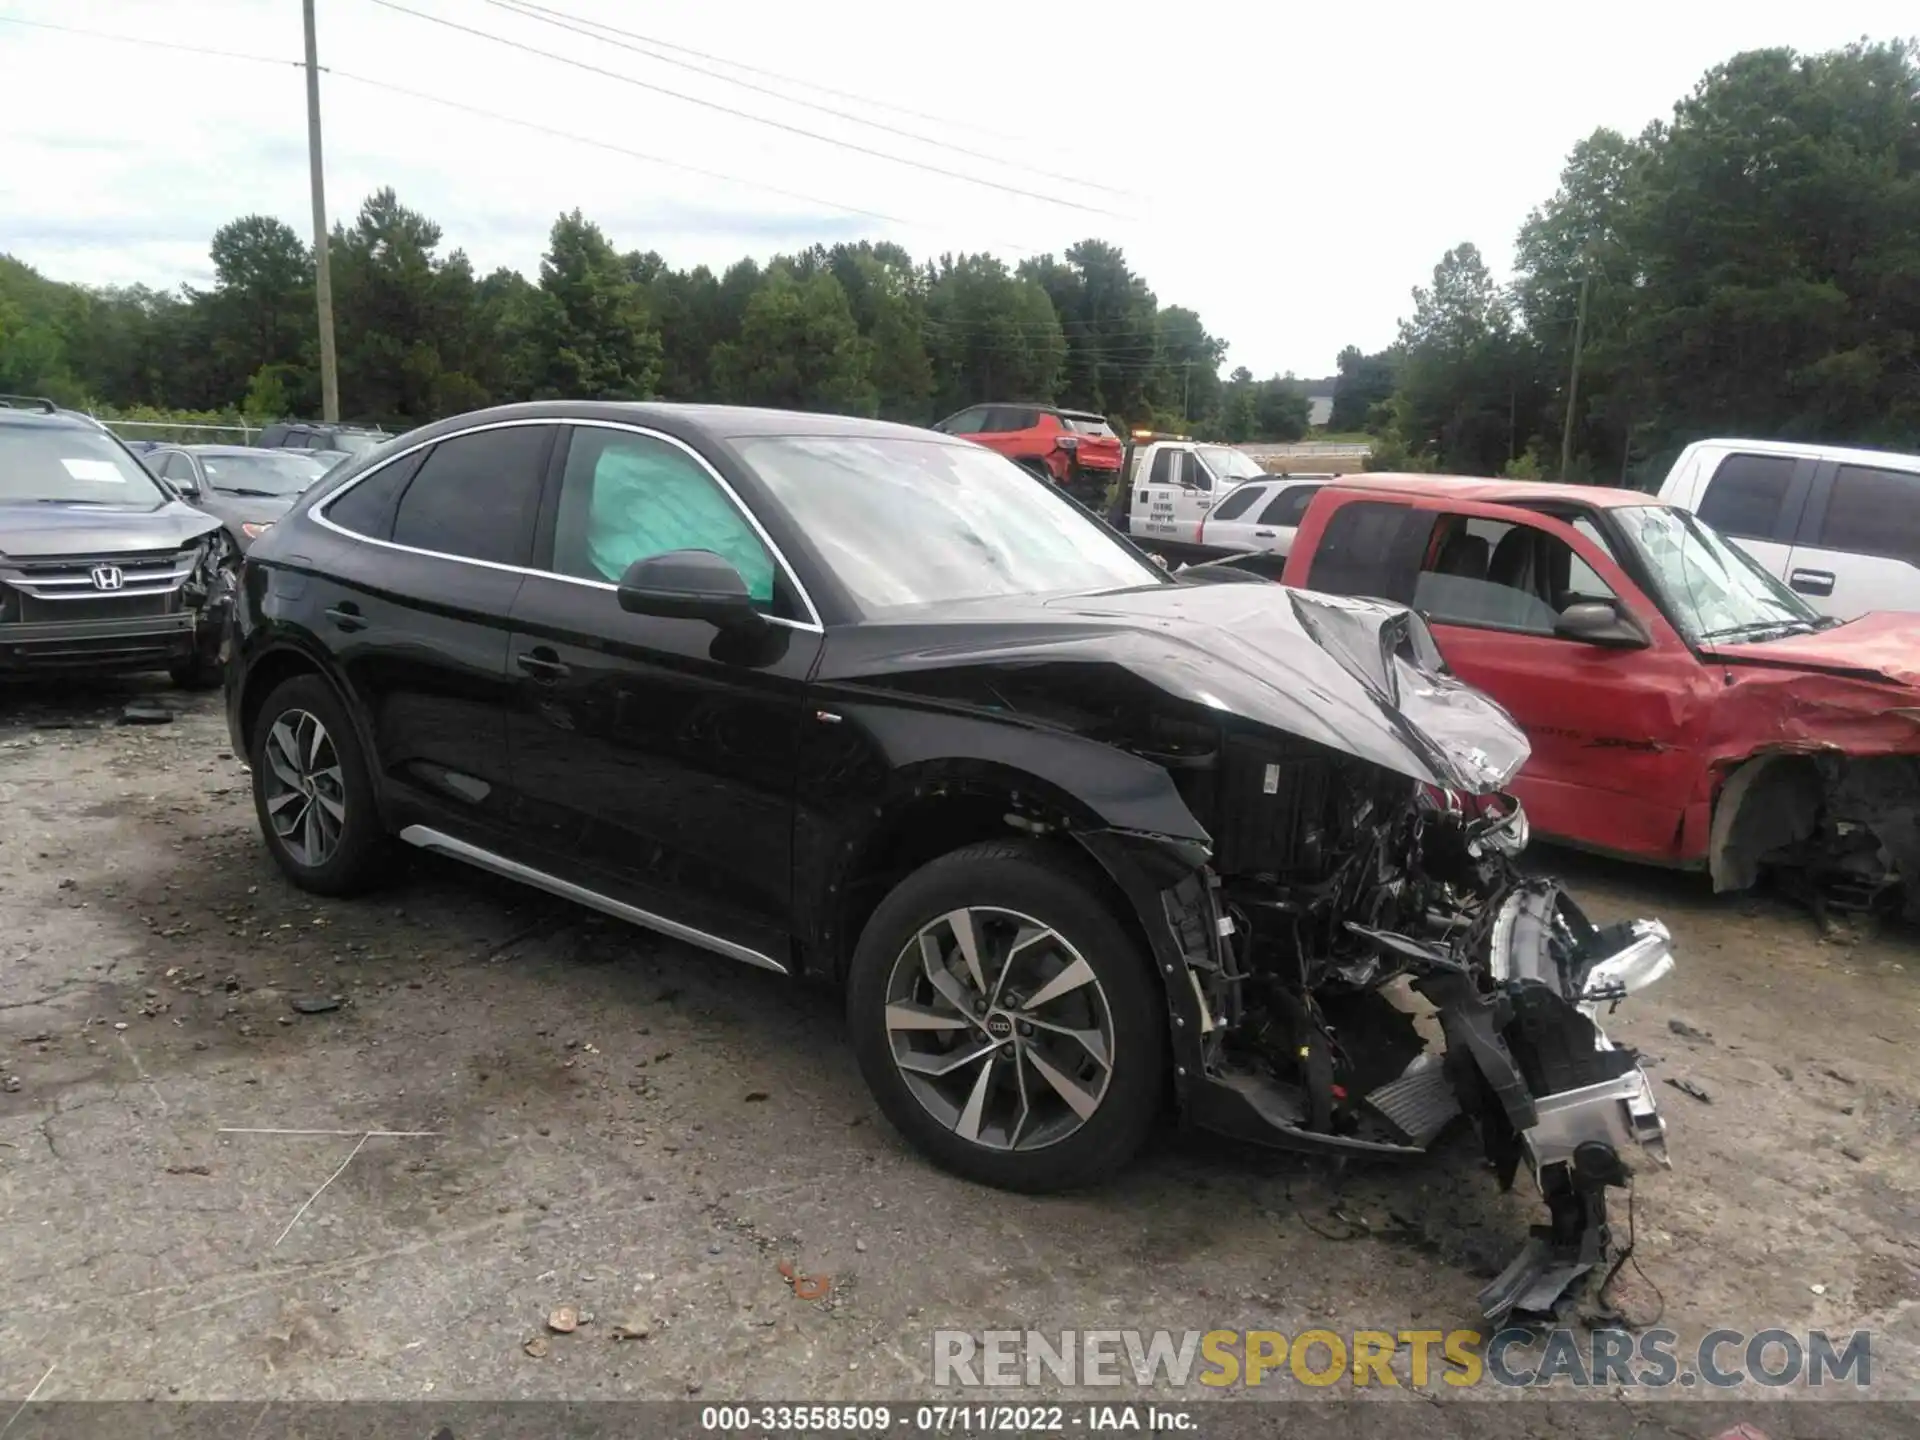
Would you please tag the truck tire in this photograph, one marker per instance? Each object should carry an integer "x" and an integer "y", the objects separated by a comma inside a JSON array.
[{"x": 1006, "y": 1022}]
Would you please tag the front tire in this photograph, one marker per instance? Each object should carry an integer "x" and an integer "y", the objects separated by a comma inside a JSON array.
[
  {"x": 311, "y": 790},
  {"x": 1006, "y": 1022}
]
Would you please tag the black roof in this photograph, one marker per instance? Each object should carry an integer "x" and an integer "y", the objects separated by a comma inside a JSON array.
[{"x": 720, "y": 422}]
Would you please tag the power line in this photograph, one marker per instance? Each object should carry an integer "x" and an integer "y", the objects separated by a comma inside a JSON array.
[
  {"x": 150, "y": 44},
  {"x": 774, "y": 74},
  {"x": 744, "y": 114},
  {"x": 545, "y": 16}
]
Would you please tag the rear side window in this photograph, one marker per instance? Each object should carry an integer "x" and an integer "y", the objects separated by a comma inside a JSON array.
[
  {"x": 1289, "y": 505},
  {"x": 367, "y": 508},
  {"x": 475, "y": 496},
  {"x": 1873, "y": 512},
  {"x": 1371, "y": 548},
  {"x": 1239, "y": 502},
  {"x": 1746, "y": 495}
]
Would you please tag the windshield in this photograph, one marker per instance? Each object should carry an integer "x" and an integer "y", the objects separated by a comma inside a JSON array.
[
  {"x": 1088, "y": 425},
  {"x": 903, "y": 523},
  {"x": 1711, "y": 587},
  {"x": 69, "y": 465},
  {"x": 264, "y": 473},
  {"x": 1230, "y": 464}
]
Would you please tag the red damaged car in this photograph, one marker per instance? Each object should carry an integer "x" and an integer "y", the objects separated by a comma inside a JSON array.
[
  {"x": 1684, "y": 707},
  {"x": 1075, "y": 449}
]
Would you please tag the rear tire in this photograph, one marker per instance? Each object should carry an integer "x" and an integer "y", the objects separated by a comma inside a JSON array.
[
  {"x": 311, "y": 790},
  {"x": 1027, "y": 1053}
]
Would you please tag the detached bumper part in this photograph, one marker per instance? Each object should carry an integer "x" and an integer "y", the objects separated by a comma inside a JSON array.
[{"x": 1584, "y": 1140}]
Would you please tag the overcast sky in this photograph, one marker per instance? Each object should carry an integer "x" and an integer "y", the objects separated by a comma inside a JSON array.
[{"x": 1291, "y": 171}]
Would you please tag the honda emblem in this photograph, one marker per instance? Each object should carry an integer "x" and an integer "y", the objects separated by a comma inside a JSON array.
[{"x": 107, "y": 577}]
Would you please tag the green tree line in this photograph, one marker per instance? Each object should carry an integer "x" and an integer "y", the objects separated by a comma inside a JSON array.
[
  {"x": 1750, "y": 267},
  {"x": 856, "y": 328}
]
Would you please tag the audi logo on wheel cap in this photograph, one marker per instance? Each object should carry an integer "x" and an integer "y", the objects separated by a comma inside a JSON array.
[
  {"x": 999, "y": 1025},
  {"x": 107, "y": 577}
]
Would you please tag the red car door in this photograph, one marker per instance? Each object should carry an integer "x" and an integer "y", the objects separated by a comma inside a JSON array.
[{"x": 1615, "y": 727}]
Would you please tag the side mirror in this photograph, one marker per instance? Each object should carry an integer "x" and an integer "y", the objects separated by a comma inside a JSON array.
[
  {"x": 690, "y": 585},
  {"x": 188, "y": 488},
  {"x": 1600, "y": 622}
]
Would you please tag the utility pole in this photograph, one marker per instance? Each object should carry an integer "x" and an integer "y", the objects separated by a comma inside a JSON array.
[
  {"x": 1186, "y": 389},
  {"x": 1573, "y": 381},
  {"x": 322, "y": 271}
]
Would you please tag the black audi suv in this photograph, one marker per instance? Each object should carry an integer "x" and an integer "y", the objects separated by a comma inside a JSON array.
[{"x": 860, "y": 702}]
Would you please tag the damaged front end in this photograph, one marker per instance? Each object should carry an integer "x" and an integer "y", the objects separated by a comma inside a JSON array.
[
  {"x": 1358, "y": 962},
  {"x": 1359, "y": 975}
]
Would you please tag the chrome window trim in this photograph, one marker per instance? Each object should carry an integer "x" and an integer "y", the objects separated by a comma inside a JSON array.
[{"x": 319, "y": 512}]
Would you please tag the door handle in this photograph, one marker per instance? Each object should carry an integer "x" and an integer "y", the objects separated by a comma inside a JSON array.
[
  {"x": 1811, "y": 582},
  {"x": 543, "y": 664},
  {"x": 1264, "y": 534},
  {"x": 346, "y": 616}
]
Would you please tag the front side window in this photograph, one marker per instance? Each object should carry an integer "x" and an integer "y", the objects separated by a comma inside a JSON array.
[
  {"x": 627, "y": 497},
  {"x": 1711, "y": 589},
  {"x": 1193, "y": 472},
  {"x": 1239, "y": 502},
  {"x": 475, "y": 496},
  {"x": 1873, "y": 512},
  {"x": 1501, "y": 575},
  {"x": 967, "y": 422},
  {"x": 1746, "y": 495},
  {"x": 906, "y": 523},
  {"x": 57, "y": 465}
]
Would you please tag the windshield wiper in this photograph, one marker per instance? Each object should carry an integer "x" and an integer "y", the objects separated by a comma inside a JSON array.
[
  {"x": 1760, "y": 629},
  {"x": 250, "y": 494},
  {"x": 52, "y": 501}
]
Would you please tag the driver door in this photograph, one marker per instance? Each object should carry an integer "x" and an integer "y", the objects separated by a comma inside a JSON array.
[
  {"x": 653, "y": 759},
  {"x": 1613, "y": 729}
]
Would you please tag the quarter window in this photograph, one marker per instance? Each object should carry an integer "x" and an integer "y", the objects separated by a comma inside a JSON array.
[
  {"x": 1239, "y": 502},
  {"x": 476, "y": 495},
  {"x": 1873, "y": 512},
  {"x": 367, "y": 507},
  {"x": 626, "y": 497},
  {"x": 1746, "y": 495}
]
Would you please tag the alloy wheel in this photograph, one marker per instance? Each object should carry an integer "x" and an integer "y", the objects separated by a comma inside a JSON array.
[
  {"x": 305, "y": 791},
  {"x": 1000, "y": 1028}
]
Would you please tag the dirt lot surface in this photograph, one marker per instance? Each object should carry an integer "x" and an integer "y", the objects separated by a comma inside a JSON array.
[{"x": 596, "y": 1118}]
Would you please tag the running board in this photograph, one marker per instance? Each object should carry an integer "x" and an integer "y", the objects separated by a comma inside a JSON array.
[{"x": 439, "y": 843}]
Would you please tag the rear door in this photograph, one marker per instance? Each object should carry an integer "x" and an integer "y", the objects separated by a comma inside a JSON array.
[
  {"x": 1859, "y": 543},
  {"x": 424, "y": 556},
  {"x": 1757, "y": 500},
  {"x": 1231, "y": 525}
]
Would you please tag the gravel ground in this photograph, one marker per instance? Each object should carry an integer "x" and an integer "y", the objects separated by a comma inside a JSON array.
[{"x": 579, "y": 1114}]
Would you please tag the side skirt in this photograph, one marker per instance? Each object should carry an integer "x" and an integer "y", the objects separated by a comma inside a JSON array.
[{"x": 440, "y": 843}]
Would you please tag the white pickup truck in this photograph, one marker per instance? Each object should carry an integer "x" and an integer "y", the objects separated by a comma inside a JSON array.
[
  {"x": 1171, "y": 485},
  {"x": 1839, "y": 527}
]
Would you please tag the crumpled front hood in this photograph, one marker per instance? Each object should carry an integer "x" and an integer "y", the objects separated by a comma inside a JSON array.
[
  {"x": 1882, "y": 646},
  {"x": 33, "y": 531},
  {"x": 1353, "y": 675}
]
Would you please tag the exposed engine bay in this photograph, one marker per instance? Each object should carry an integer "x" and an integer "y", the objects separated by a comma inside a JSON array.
[{"x": 1383, "y": 968}]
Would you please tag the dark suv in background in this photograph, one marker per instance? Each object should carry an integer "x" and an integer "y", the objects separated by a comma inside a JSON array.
[
  {"x": 102, "y": 566},
  {"x": 307, "y": 435}
]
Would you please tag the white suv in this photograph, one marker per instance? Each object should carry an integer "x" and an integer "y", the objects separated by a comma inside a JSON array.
[{"x": 1840, "y": 527}]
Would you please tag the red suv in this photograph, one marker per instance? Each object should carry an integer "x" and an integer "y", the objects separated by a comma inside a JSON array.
[{"x": 1076, "y": 450}]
